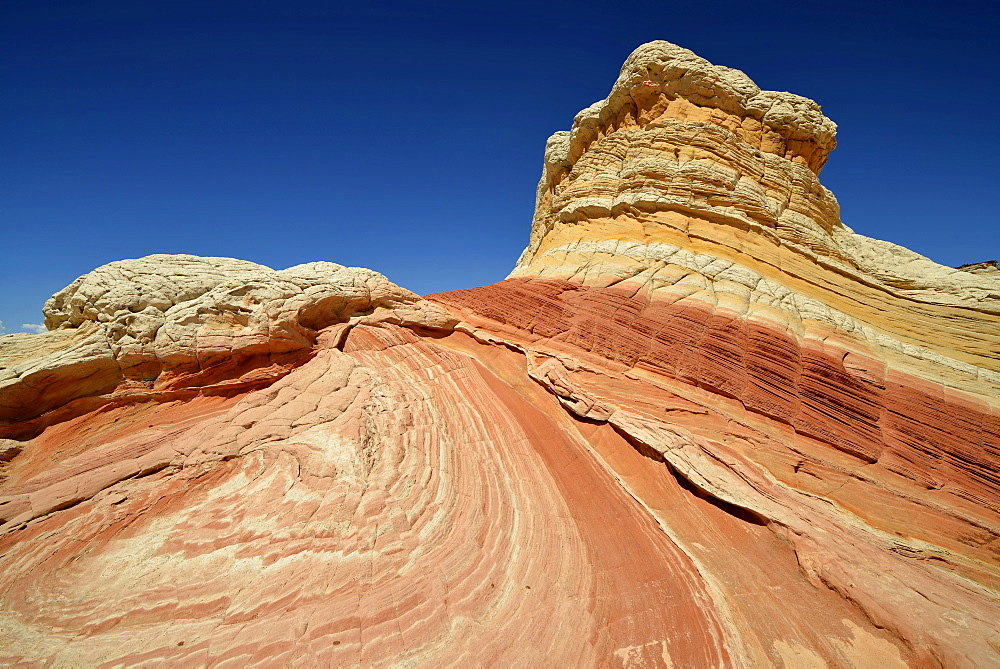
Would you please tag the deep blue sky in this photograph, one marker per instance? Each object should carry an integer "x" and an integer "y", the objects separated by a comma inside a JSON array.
[{"x": 407, "y": 137}]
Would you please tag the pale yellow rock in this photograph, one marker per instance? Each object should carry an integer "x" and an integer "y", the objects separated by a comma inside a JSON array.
[
  {"x": 136, "y": 320},
  {"x": 989, "y": 268},
  {"x": 705, "y": 425},
  {"x": 691, "y": 181}
]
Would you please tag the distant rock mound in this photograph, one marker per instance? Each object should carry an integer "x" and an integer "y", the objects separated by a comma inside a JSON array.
[
  {"x": 702, "y": 423},
  {"x": 989, "y": 268}
]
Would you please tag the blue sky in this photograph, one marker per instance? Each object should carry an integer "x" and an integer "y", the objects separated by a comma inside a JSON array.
[{"x": 407, "y": 136}]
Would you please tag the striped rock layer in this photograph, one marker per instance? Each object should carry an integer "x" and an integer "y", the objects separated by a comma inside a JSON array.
[{"x": 702, "y": 423}]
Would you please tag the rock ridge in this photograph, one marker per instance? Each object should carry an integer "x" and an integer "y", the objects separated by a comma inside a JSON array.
[
  {"x": 703, "y": 423},
  {"x": 171, "y": 321}
]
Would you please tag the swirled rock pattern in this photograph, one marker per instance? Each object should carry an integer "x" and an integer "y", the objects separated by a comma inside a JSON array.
[{"x": 702, "y": 424}]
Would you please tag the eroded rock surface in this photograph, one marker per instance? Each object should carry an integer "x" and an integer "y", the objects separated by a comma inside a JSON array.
[
  {"x": 989, "y": 268},
  {"x": 167, "y": 322},
  {"x": 702, "y": 424}
]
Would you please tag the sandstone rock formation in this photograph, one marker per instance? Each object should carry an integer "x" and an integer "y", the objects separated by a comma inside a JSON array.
[
  {"x": 702, "y": 423},
  {"x": 989, "y": 268}
]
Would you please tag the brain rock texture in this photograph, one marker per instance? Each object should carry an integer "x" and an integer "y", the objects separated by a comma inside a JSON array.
[{"x": 701, "y": 424}]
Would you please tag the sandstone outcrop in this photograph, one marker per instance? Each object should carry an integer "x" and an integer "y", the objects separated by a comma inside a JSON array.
[
  {"x": 169, "y": 322},
  {"x": 702, "y": 423},
  {"x": 989, "y": 268}
]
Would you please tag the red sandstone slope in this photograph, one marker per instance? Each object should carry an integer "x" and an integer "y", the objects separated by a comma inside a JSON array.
[{"x": 702, "y": 424}]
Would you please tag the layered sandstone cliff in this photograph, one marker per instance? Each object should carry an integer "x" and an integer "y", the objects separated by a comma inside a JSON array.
[{"x": 702, "y": 423}]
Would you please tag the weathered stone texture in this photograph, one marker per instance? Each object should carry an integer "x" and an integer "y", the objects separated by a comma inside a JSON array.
[{"x": 702, "y": 423}]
